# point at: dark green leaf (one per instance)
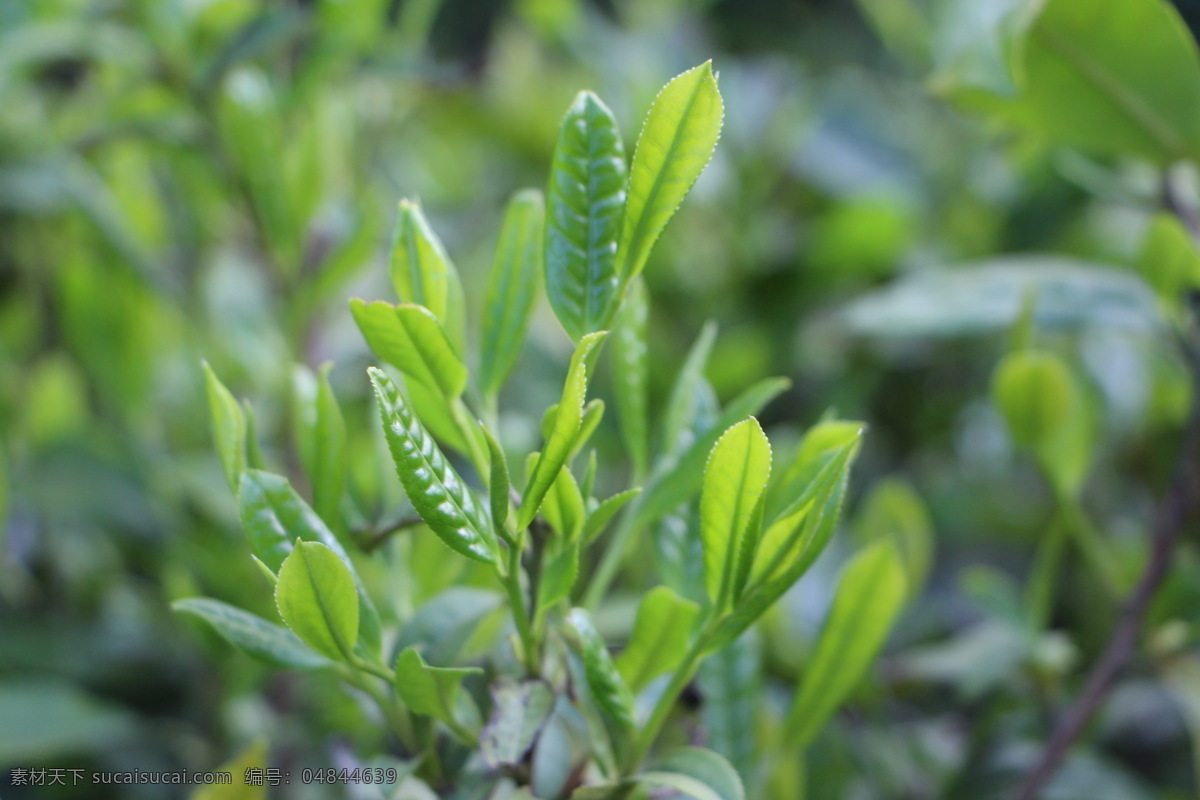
(512, 288)
(607, 687)
(433, 487)
(264, 640)
(443, 625)
(730, 683)
(584, 203)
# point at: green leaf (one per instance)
(563, 506)
(561, 441)
(661, 633)
(735, 480)
(791, 544)
(676, 142)
(584, 203)
(499, 485)
(321, 437)
(443, 625)
(519, 710)
(256, 636)
(512, 288)
(1120, 78)
(894, 510)
(730, 681)
(696, 773)
(422, 272)
(558, 576)
(228, 426)
(410, 338)
(1168, 258)
(608, 689)
(317, 598)
(869, 596)
(437, 415)
(819, 442)
(593, 413)
(436, 491)
(681, 405)
(430, 691)
(631, 373)
(274, 516)
(598, 520)
(675, 486)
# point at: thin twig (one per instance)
(370, 539)
(1170, 518)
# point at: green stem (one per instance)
(396, 715)
(1039, 593)
(1090, 545)
(520, 612)
(666, 701)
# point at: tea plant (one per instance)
(548, 708)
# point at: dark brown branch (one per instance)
(1170, 519)
(370, 539)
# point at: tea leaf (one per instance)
(430, 691)
(735, 481)
(661, 632)
(410, 338)
(444, 624)
(228, 427)
(730, 681)
(869, 596)
(563, 506)
(422, 272)
(684, 477)
(603, 514)
(607, 687)
(498, 482)
(696, 773)
(558, 576)
(567, 421)
(322, 440)
(519, 710)
(1122, 78)
(681, 406)
(256, 636)
(894, 510)
(512, 288)
(316, 597)
(433, 487)
(584, 203)
(631, 373)
(676, 142)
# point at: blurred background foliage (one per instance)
(188, 180)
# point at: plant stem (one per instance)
(666, 701)
(1171, 516)
(393, 712)
(1039, 593)
(520, 611)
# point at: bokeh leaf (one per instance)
(519, 710)
(512, 288)
(256, 636)
(661, 632)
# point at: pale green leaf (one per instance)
(430, 691)
(1168, 258)
(317, 598)
(894, 510)
(869, 596)
(676, 142)
(512, 288)
(228, 427)
(410, 338)
(598, 520)
(256, 636)
(519, 710)
(567, 422)
(661, 633)
(563, 506)
(321, 439)
(584, 202)
(696, 773)
(735, 480)
(681, 405)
